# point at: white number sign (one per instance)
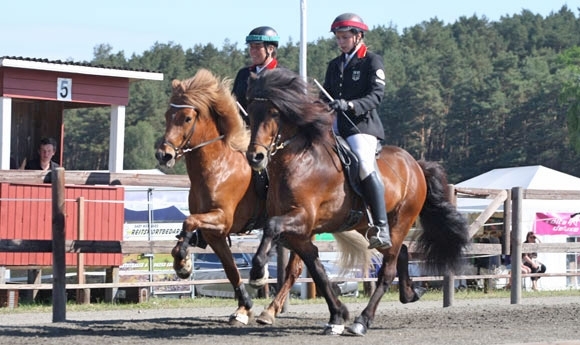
(64, 89)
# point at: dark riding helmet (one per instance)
(348, 22)
(264, 34)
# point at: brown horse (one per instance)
(310, 194)
(204, 126)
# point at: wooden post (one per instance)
(58, 247)
(516, 245)
(448, 289)
(448, 277)
(507, 224)
(83, 295)
(111, 276)
(33, 276)
(282, 262)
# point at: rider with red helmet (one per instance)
(356, 81)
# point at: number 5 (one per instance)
(64, 89)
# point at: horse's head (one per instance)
(282, 112)
(201, 111)
(265, 128)
(180, 123)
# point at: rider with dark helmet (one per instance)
(356, 81)
(262, 44)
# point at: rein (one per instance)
(275, 145)
(183, 149)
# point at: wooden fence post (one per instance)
(58, 247)
(516, 245)
(83, 295)
(449, 278)
(282, 259)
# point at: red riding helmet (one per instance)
(263, 34)
(348, 22)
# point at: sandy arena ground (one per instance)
(546, 320)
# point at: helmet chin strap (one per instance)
(263, 64)
(356, 46)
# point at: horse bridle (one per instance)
(183, 149)
(275, 144)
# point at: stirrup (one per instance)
(380, 242)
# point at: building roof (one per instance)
(78, 67)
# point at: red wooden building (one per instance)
(34, 93)
(26, 213)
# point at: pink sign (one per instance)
(552, 223)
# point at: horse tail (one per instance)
(353, 252)
(445, 234)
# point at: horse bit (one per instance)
(180, 151)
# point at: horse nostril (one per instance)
(255, 158)
(163, 157)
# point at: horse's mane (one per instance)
(296, 100)
(212, 98)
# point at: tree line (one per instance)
(474, 95)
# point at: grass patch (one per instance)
(203, 302)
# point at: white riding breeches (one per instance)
(364, 147)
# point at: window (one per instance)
(573, 265)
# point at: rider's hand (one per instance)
(339, 105)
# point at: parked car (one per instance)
(344, 288)
(207, 266)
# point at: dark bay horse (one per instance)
(203, 126)
(309, 194)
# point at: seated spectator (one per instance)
(530, 260)
(525, 270)
(46, 151)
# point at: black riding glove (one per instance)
(339, 105)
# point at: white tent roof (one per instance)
(528, 177)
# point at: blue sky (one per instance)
(70, 29)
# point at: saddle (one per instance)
(350, 164)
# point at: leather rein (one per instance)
(184, 147)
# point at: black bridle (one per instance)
(276, 143)
(184, 147)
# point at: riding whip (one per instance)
(242, 109)
(332, 99)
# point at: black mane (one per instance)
(296, 102)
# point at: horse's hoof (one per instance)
(419, 291)
(258, 283)
(357, 329)
(333, 329)
(265, 318)
(239, 319)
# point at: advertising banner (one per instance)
(557, 223)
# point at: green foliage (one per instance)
(474, 94)
(140, 147)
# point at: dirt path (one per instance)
(552, 320)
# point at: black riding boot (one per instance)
(374, 191)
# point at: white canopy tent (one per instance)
(531, 177)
